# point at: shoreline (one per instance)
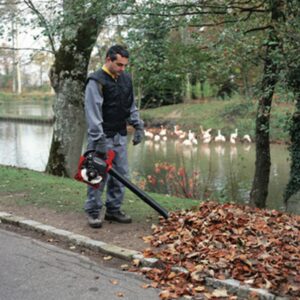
(29, 119)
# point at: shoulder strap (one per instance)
(97, 76)
(100, 85)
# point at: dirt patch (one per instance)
(174, 115)
(124, 235)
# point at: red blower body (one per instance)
(92, 170)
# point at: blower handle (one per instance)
(140, 193)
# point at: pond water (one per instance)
(25, 145)
(224, 170)
(43, 109)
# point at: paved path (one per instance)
(33, 270)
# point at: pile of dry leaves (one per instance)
(260, 248)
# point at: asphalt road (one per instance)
(33, 270)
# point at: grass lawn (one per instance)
(225, 115)
(27, 187)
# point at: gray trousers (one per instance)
(114, 189)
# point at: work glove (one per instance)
(101, 148)
(138, 135)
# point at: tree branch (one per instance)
(222, 9)
(27, 49)
(180, 9)
(210, 24)
(258, 28)
(43, 21)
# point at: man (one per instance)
(109, 107)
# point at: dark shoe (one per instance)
(94, 222)
(117, 216)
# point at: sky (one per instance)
(26, 41)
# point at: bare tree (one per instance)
(78, 24)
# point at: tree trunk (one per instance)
(188, 89)
(18, 62)
(293, 185)
(68, 129)
(14, 64)
(245, 77)
(68, 75)
(202, 82)
(259, 191)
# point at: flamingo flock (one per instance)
(191, 138)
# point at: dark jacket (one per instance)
(117, 101)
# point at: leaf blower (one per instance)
(92, 170)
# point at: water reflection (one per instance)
(228, 169)
(25, 145)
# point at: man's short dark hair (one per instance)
(117, 49)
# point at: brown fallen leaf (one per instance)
(220, 293)
(148, 238)
(108, 257)
(114, 281)
(136, 262)
(208, 295)
(197, 276)
(172, 275)
(165, 295)
(124, 267)
(154, 284)
(268, 284)
(199, 288)
(120, 295)
(258, 247)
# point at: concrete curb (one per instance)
(243, 291)
(68, 236)
(231, 285)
